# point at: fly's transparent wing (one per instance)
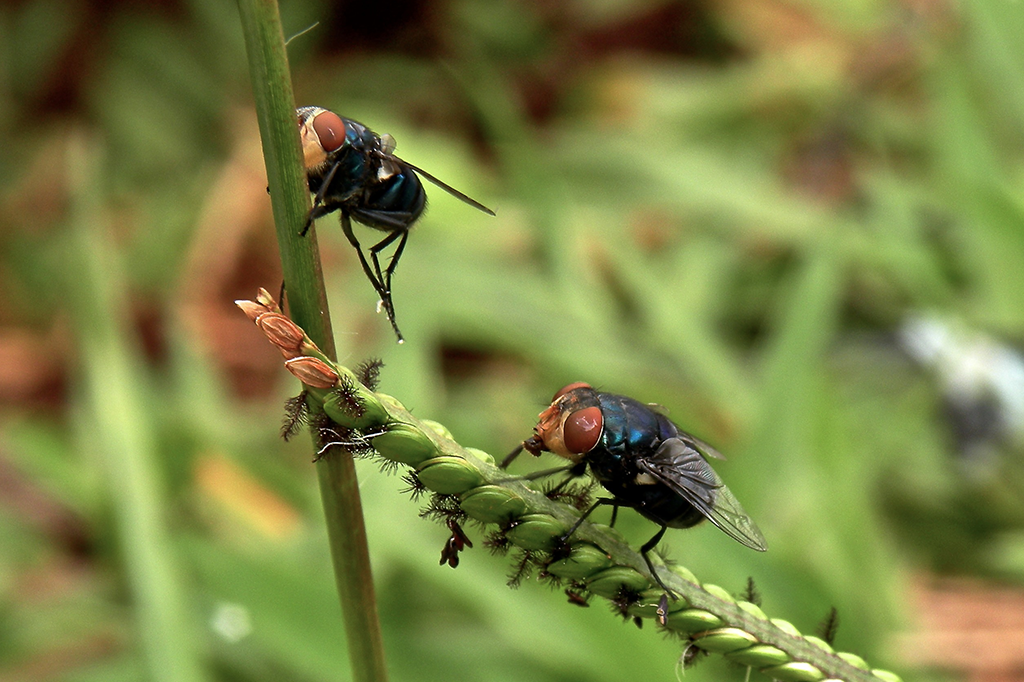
(447, 188)
(700, 446)
(682, 468)
(688, 438)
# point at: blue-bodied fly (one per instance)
(644, 460)
(353, 170)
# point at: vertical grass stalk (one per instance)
(339, 489)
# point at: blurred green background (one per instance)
(732, 208)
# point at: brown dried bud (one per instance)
(282, 332)
(252, 309)
(312, 372)
(263, 297)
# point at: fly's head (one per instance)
(322, 133)
(572, 425)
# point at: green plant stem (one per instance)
(307, 299)
(115, 423)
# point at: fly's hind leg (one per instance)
(384, 277)
(378, 285)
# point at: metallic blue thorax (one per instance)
(630, 427)
(633, 431)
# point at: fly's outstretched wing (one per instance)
(688, 438)
(683, 469)
(700, 446)
(447, 188)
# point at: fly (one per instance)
(353, 170)
(645, 461)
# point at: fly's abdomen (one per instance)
(393, 204)
(668, 509)
(402, 193)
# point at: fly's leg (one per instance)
(644, 552)
(511, 456)
(385, 277)
(318, 210)
(669, 594)
(346, 227)
(574, 471)
(601, 502)
(378, 285)
(562, 547)
(383, 244)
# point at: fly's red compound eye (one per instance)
(582, 429)
(570, 387)
(330, 129)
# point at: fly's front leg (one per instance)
(601, 502)
(319, 210)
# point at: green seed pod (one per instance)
(795, 671)
(536, 531)
(719, 592)
(647, 605)
(610, 581)
(818, 641)
(405, 444)
(853, 659)
(786, 627)
(449, 475)
(492, 504)
(724, 640)
(760, 656)
(693, 620)
(683, 573)
(390, 401)
(481, 455)
(438, 428)
(611, 532)
(886, 675)
(339, 408)
(585, 561)
(753, 609)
